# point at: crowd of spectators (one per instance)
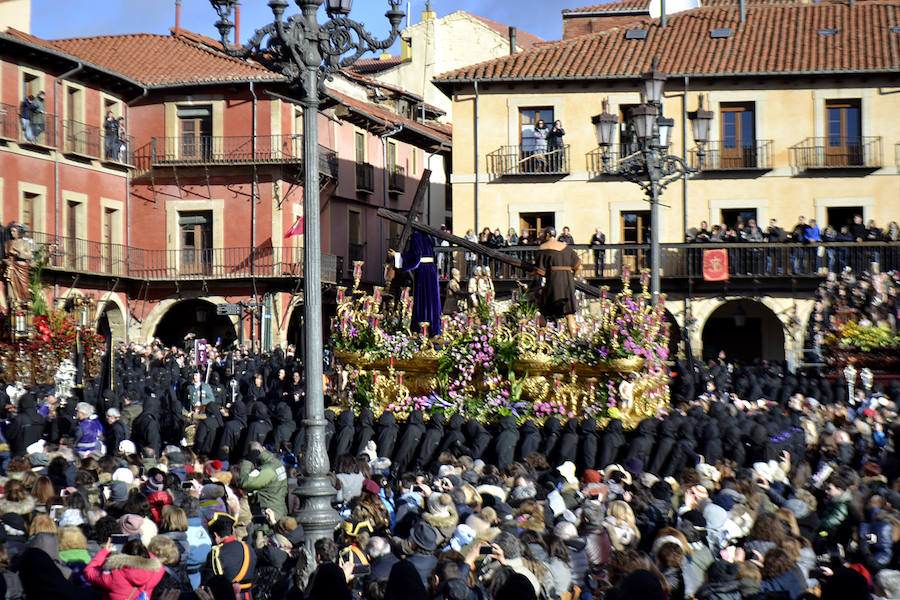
(757, 483)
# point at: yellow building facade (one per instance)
(805, 100)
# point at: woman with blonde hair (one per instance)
(42, 490)
(16, 499)
(621, 527)
(173, 524)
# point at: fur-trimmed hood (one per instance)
(126, 561)
(25, 507)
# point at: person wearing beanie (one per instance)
(441, 514)
(155, 490)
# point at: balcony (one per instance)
(81, 139)
(747, 262)
(597, 166)
(397, 179)
(96, 258)
(36, 132)
(365, 178)
(752, 156)
(516, 160)
(9, 122)
(835, 152)
(230, 150)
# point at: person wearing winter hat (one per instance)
(721, 582)
(462, 537)
(441, 514)
(425, 541)
(155, 490)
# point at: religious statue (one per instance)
(560, 266)
(426, 289)
(454, 295)
(17, 259)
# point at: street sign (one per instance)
(228, 309)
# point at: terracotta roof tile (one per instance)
(642, 6)
(368, 66)
(156, 60)
(775, 38)
(435, 131)
(525, 40)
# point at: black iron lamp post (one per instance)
(651, 166)
(307, 52)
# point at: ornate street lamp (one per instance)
(701, 120)
(652, 167)
(307, 52)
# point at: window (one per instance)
(843, 127)
(396, 173)
(534, 222)
(354, 235)
(110, 218)
(839, 216)
(732, 216)
(528, 118)
(72, 210)
(76, 136)
(195, 131)
(364, 171)
(28, 209)
(635, 230)
(738, 148)
(628, 142)
(298, 120)
(196, 241)
(30, 85)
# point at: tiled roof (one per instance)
(644, 5)
(524, 40)
(435, 132)
(367, 66)
(775, 39)
(156, 60)
(368, 81)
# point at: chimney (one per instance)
(177, 16)
(237, 24)
(512, 40)
(428, 14)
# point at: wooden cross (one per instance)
(414, 210)
(477, 248)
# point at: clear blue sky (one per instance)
(73, 18)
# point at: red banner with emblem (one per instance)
(715, 265)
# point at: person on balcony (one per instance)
(555, 145)
(798, 236)
(540, 134)
(26, 111)
(598, 241)
(111, 136)
(566, 236)
(38, 117)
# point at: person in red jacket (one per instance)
(124, 576)
(155, 490)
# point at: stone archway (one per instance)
(111, 320)
(177, 318)
(747, 330)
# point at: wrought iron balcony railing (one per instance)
(755, 155)
(833, 152)
(517, 160)
(38, 129)
(9, 122)
(80, 138)
(685, 261)
(365, 178)
(396, 179)
(98, 258)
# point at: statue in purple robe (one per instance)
(426, 291)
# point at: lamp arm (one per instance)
(341, 35)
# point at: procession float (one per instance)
(500, 358)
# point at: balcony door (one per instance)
(195, 132)
(534, 222)
(635, 230)
(196, 241)
(738, 135)
(843, 141)
(528, 119)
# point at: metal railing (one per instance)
(80, 138)
(39, 129)
(755, 155)
(397, 179)
(98, 258)
(9, 122)
(833, 152)
(516, 160)
(365, 178)
(597, 166)
(745, 261)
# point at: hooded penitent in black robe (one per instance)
(529, 439)
(26, 428)
(365, 430)
(642, 445)
(453, 436)
(712, 443)
(386, 432)
(667, 433)
(405, 454)
(610, 444)
(568, 442)
(683, 454)
(343, 433)
(284, 426)
(587, 456)
(209, 431)
(733, 446)
(505, 442)
(259, 427)
(234, 426)
(145, 429)
(478, 437)
(431, 441)
(549, 439)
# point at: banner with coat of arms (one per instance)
(715, 265)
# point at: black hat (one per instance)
(425, 536)
(661, 490)
(695, 518)
(722, 570)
